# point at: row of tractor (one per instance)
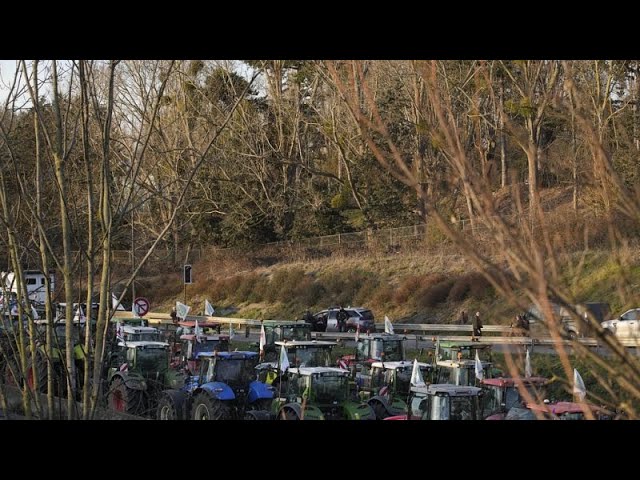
(188, 371)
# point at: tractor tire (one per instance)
(379, 410)
(207, 408)
(122, 398)
(167, 409)
(288, 414)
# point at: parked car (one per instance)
(626, 325)
(570, 327)
(357, 316)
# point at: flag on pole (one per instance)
(208, 308)
(357, 333)
(79, 316)
(479, 373)
(416, 375)
(134, 309)
(231, 334)
(34, 313)
(119, 332)
(579, 390)
(197, 332)
(263, 340)
(437, 352)
(388, 326)
(527, 365)
(182, 310)
(284, 360)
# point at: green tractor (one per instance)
(137, 373)
(385, 386)
(301, 353)
(455, 362)
(443, 402)
(320, 393)
(276, 331)
(374, 347)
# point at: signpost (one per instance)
(141, 306)
(186, 276)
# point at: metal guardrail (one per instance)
(403, 329)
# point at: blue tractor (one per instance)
(225, 389)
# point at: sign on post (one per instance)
(141, 306)
(187, 275)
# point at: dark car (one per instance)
(357, 316)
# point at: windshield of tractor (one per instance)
(328, 388)
(235, 371)
(445, 407)
(209, 346)
(403, 380)
(311, 357)
(152, 359)
(419, 404)
(393, 350)
(60, 337)
(144, 337)
(492, 400)
(289, 332)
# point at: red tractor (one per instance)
(503, 394)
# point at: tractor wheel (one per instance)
(122, 398)
(288, 414)
(167, 409)
(379, 410)
(207, 408)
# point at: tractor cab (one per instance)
(141, 334)
(375, 347)
(443, 402)
(457, 350)
(503, 394)
(191, 346)
(460, 372)
(283, 331)
(385, 386)
(300, 353)
(320, 393)
(236, 369)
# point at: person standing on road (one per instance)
(464, 318)
(342, 317)
(477, 325)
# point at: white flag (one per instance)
(119, 332)
(196, 332)
(263, 339)
(182, 310)
(79, 316)
(357, 333)
(34, 313)
(284, 360)
(479, 373)
(231, 334)
(579, 390)
(388, 327)
(437, 352)
(208, 308)
(416, 375)
(527, 365)
(134, 310)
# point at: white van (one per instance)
(35, 283)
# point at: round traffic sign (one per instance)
(141, 305)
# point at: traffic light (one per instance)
(187, 274)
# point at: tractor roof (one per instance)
(192, 324)
(305, 343)
(463, 363)
(560, 408)
(511, 382)
(448, 389)
(143, 344)
(318, 370)
(381, 336)
(459, 344)
(401, 364)
(134, 329)
(285, 323)
(191, 336)
(228, 355)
